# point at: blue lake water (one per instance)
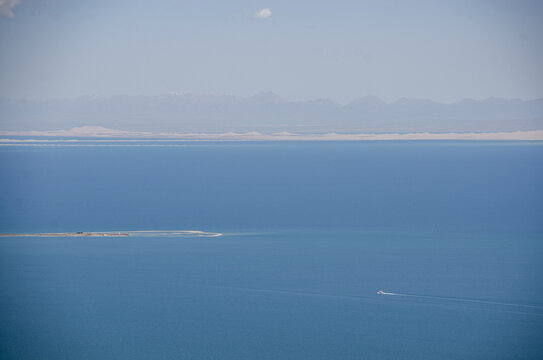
(312, 230)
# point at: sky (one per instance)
(302, 50)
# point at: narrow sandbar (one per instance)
(69, 234)
(150, 233)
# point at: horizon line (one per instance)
(278, 98)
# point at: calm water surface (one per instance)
(311, 232)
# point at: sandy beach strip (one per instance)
(139, 233)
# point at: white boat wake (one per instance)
(380, 292)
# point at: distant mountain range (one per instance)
(269, 113)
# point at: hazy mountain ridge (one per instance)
(267, 112)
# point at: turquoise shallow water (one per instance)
(312, 232)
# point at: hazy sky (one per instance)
(442, 50)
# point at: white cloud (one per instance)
(6, 6)
(262, 14)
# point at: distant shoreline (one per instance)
(97, 134)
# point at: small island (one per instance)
(139, 233)
(70, 234)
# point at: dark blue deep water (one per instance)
(312, 230)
